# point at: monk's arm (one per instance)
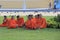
(44, 23)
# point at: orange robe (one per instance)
(20, 22)
(5, 23)
(12, 23)
(41, 23)
(31, 24)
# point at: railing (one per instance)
(29, 10)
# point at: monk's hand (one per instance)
(16, 24)
(4, 20)
(40, 27)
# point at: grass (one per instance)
(23, 34)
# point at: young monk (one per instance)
(5, 22)
(31, 22)
(12, 23)
(20, 21)
(41, 22)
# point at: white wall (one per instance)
(27, 13)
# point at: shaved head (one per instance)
(5, 17)
(30, 16)
(39, 15)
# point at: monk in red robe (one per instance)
(31, 22)
(41, 22)
(5, 22)
(12, 23)
(20, 21)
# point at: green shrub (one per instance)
(57, 19)
(54, 22)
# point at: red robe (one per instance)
(31, 24)
(12, 23)
(20, 22)
(41, 23)
(5, 23)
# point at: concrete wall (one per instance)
(39, 3)
(29, 3)
(11, 4)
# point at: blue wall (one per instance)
(58, 4)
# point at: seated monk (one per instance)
(31, 22)
(5, 22)
(41, 22)
(20, 21)
(12, 23)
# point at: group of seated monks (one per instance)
(37, 22)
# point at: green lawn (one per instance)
(23, 34)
